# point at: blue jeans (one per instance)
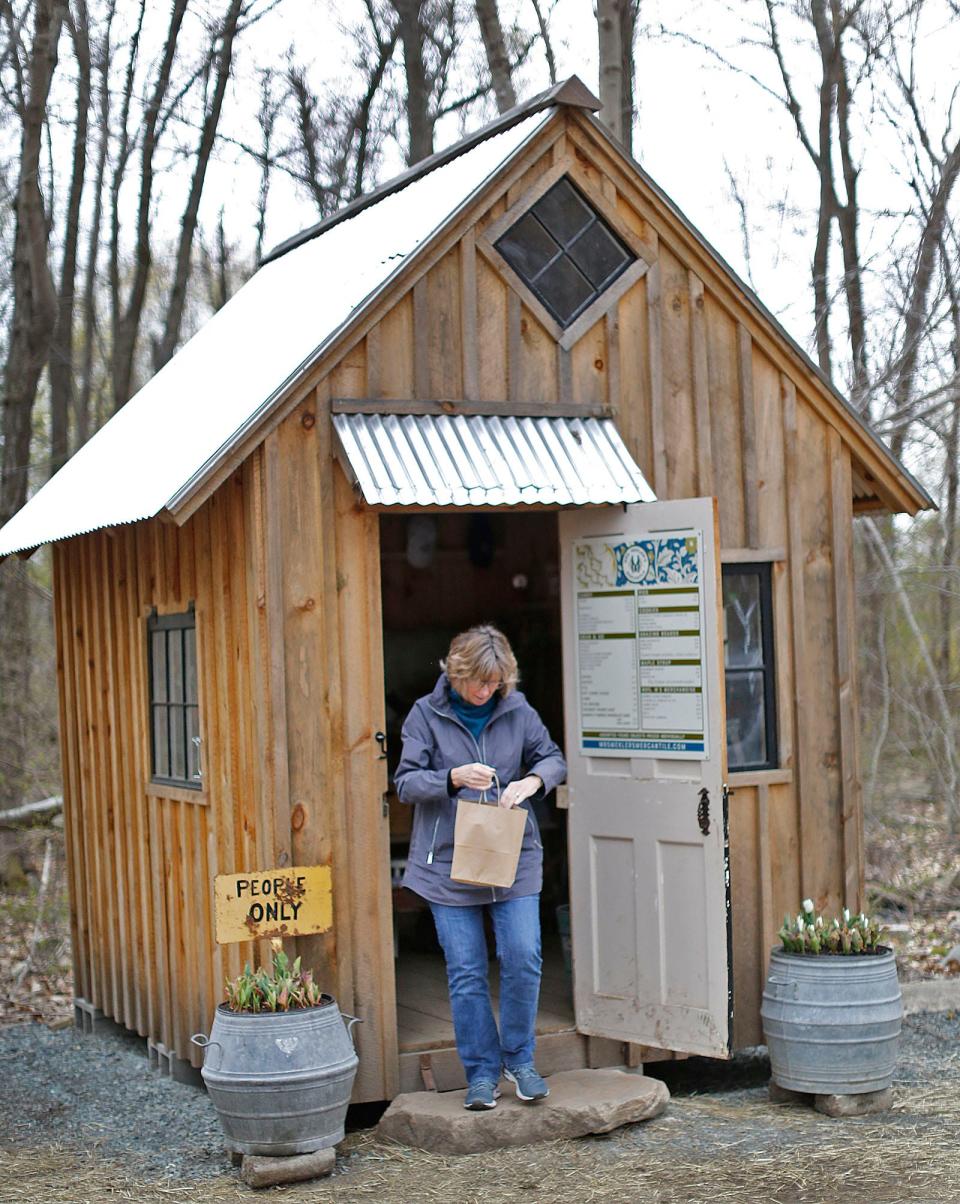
(516, 924)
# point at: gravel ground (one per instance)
(83, 1118)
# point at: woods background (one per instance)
(150, 154)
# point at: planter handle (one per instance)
(202, 1041)
(777, 983)
(351, 1021)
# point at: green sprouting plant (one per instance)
(845, 934)
(286, 988)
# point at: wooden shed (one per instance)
(430, 410)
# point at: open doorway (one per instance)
(442, 572)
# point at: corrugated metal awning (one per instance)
(488, 460)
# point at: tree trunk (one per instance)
(950, 584)
(34, 297)
(14, 680)
(916, 314)
(164, 347)
(61, 355)
(848, 216)
(547, 40)
(949, 579)
(616, 23)
(32, 326)
(941, 722)
(498, 61)
(419, 119)
(126, 317)
(611, 65)
(85, 421)
(361, 121)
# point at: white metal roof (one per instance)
(241, 360)
(488, 460)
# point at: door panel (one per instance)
(648, 888)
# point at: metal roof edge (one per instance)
(26, 550)
(572, 92)
(829, 387)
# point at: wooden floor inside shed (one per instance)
(423, 1003)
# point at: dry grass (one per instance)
(726, 1148)
(703, 1149)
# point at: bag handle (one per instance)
(483, 797)
(483, 793)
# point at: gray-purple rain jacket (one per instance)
(514, 742)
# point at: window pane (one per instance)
(563, 212)
(175, 655)
(743, 645)
(564, 289)
(190, 669)
(564, 251)
(746, 719)
(598, 255)
(161, 759)
(527, 247)
(178, 748)
(193, 729)
(158, 665)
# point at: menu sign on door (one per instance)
(639, 619)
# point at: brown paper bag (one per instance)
(486, 843)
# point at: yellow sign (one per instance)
(294, 901)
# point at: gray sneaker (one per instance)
(530, 1086)
(481, 1095)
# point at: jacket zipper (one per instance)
(436, 825)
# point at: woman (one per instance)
(476, 725)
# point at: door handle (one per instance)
(703, 811)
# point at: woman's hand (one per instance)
(473, 776)
(516, 792)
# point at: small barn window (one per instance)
(748, 663)
(564, 252)
(174, 710)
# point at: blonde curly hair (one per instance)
(481, 654)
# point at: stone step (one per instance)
(580, 1102)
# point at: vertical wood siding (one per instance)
(282, 563)
(704, 409)
(141, 862)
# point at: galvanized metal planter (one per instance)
(280, 1081)
(832, 1022)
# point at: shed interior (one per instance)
(442, 572)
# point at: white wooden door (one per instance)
(649, 867)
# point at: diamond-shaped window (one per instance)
(564, 251)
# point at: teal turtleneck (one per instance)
(474, 718)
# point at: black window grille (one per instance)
(564, 251)
(749, 668)
(174, 709)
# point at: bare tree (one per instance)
(61, 353)
(414, 37)
(498, 60)
(270, 107)
(834, 24)
(616, 24)
(543, 26)
(33, 322)
(221, 55)
(85, 422)
(127, 312)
